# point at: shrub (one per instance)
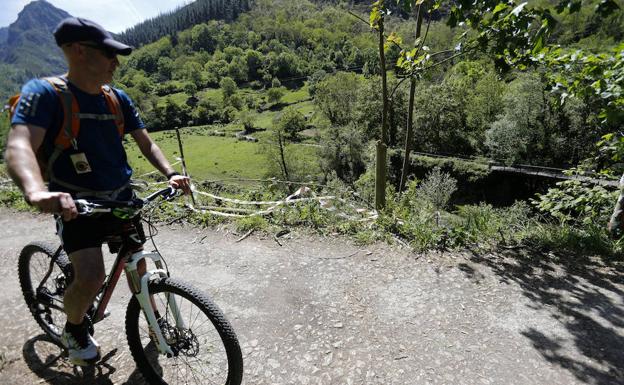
(437, 188)
(577, 203)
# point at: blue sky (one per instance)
(114, 15)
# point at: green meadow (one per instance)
(214, 157)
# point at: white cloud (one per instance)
(114, 15)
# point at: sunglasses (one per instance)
(107, 52)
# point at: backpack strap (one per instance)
(12, 105)
(115, 108)
(71, 121)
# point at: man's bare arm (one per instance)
(22, 144)
(154, 155)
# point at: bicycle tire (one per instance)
(162, 370)
(31, 273)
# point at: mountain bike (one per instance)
(192, 342)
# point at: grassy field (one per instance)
(296, 95)
(214, 158)
(178, 98)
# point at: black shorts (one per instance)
(88, 232)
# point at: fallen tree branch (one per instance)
(245, 236)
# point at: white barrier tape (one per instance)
(217, 208)
(261, 203)
(218, 213)
(265, 212)
(237, 201)
(325, 203)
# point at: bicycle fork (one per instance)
(139, 287)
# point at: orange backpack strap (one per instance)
(12, 105)
(71, 121)
(115, 108)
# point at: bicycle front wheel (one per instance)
(206, 350)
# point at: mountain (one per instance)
(29, 44)
(4, 33)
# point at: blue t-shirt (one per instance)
(98, 140)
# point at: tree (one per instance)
(275, 94)
(254, 64)
(282, 161)
(342, 150)
(506, 141)
(207, 111)
(238, 70)
(165, 68)
(291, 122)
(439, 116)
(336, 97)
(203, 37)
(313, 81)
(247, 119)
(228, 87)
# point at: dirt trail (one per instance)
(325, 311)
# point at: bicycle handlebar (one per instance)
(90, 207)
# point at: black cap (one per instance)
(75, 29)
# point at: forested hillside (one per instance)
(180, 19)
(465, 107)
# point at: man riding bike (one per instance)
(76, 124)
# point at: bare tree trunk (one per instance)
(280, 142)
(380, 170)
(409, 137)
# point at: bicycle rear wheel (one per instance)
(206, 350)
(44, 292)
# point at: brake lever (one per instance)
(174, 193)
(87, 208)
(83, 207)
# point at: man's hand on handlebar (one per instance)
(181, 182)
(54, 202)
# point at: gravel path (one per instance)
(325, 311)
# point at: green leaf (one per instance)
(499, 8)
(394, 38)
(538, 46)
(375, 17)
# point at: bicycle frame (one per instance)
(128, 260)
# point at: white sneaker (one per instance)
(83, 350)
